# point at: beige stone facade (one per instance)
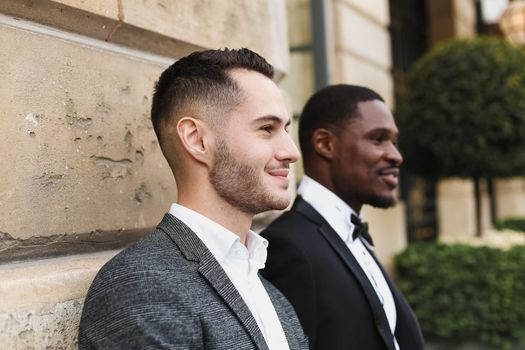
(363, 59)
(82, 174)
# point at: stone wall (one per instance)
(361, 42)
(82, 174)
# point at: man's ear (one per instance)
(195, 137)
(324, 143)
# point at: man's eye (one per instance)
(267, 128)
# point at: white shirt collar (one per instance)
(222, 243)
(332, 208)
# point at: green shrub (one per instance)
(515, 224)
(460, 292)
(461, 110)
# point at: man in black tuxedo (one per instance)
(320, 254)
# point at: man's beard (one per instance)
(238, 184)
(373, 200)
(381, 202)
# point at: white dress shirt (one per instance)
(337, 213)
(241, 264)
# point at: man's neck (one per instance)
(222, 213)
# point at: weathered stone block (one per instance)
(349, 26)
(169, 28)
(354, 70)
(79, 155)
(259, 25)
(376, 10)
(299, 23)
(95, 18)
(300, 82)
(42, 300)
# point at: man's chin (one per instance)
(273, 203)
(279, 202)
(382, 202)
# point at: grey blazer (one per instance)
(167, 291)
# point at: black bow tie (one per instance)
(361, 229)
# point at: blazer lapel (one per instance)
(349, 260)
(194, 249)
(280, 309)
(213, 272)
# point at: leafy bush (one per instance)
(460, 292)
(461, 110)
(515, 224)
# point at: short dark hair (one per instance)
(200, 81)
(330, 108)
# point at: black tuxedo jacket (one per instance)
(336, 304)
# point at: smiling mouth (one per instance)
(390, 176)
(279, 174)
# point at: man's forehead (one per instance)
(261, 100)
(372, 115)
(241, 74)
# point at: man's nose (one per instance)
(394, 155)
(288, 151)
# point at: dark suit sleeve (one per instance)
(137, 310)
(288, 268)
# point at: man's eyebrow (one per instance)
(272, 118)
(383, 130)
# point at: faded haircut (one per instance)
(198, 85)
(330, 108)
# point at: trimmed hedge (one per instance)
(460, 292)
(514, 224)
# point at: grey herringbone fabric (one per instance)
(167, 291)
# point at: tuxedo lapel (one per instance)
(340, 248)
(408, 332)
(194, 249)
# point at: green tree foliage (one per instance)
(461, 110)
(460, 292)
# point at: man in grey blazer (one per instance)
(193, 283)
